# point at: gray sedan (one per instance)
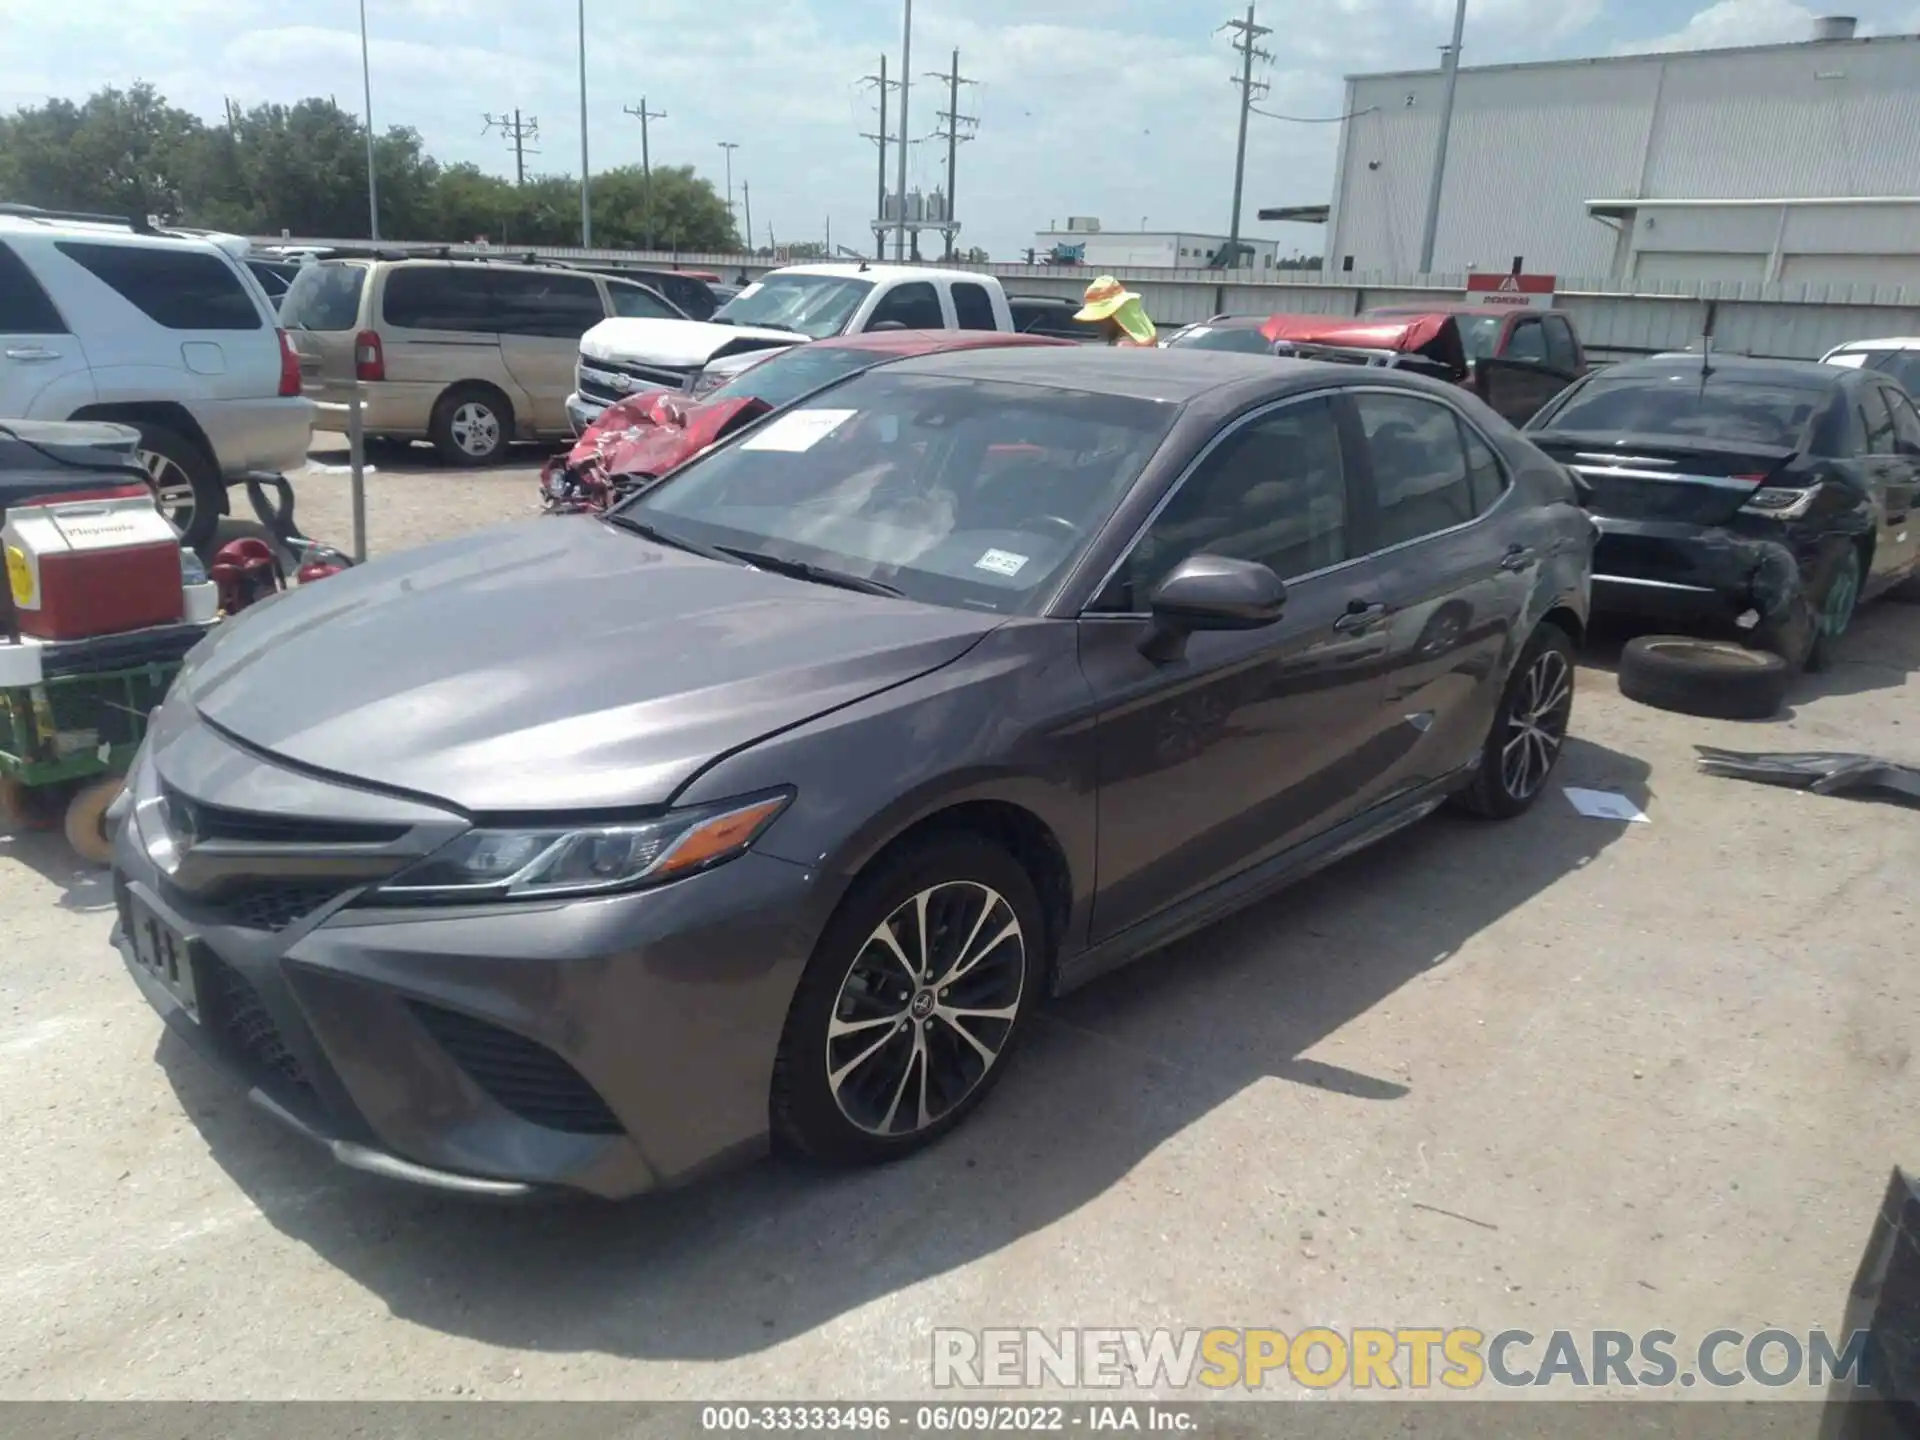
(591, 853)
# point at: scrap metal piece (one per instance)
(1821, 772)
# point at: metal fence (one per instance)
(1790, 321)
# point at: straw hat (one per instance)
(1107, 299)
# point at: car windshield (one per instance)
(1902, 365)
(814, 305)
(324, 297)
(1241, 338)
(953, 491)
(785, 377)
(634, 302)
(1752, 411)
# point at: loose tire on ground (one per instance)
(1713, 678)
(472, 425)
(806, 1104)
(173, 455)
(1532, 720)
(86, 819)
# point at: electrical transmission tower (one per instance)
(518, 132)
(1247, 43)
(882, 86)
(643, 115)
(951, 123)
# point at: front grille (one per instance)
(603, 379)
(254, 904)
(521, 1076)
(235, 1008)
(216, 822)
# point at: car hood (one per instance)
(678, 344)
(555, 664)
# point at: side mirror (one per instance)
(885, 325)
(1210, 592)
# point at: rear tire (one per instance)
(472, 425)
(840, 1097)
(1834, 614)
(1712, 678)
(186, 482)
(1529, 730)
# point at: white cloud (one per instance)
(1730, 23)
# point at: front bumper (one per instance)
(1675, 569)
(609, 1046)
(582, 411)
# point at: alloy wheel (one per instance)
(926, 1008)
(1536, 724)
(475, 429)
(172, 488)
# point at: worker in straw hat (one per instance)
(1118, 313)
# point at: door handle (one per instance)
(32, 352)
(1518, 557)
(1359, 616)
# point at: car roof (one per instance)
(1455, 308)
(1746, 367)
(930, 342)
(117, 234)
(1176, 376)
(1867, 347)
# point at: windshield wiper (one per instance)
(661, 537)
(818, 574)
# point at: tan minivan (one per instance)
(470, 354)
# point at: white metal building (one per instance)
(1775, 162)
(1160, 249)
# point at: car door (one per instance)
(542, 315)
(1249, 741)
(1892, 468)
(1520, 378)
(43, 367)
(1454, 560)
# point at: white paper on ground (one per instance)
(319, 469)
(1605, 805)
(797, 430)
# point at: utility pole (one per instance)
(1246, 36)
(880, 199)
(519, 132)
(952, 120)
(730, 146)
(1432, 230)
(906, 85)
(746, 201)
(586, 184)
(646, 164)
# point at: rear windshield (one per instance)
(324, 297)
(1751, 412)
(1238, 338)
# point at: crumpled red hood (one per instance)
(641, 438)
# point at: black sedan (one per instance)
(1772, 493)
(588, 852)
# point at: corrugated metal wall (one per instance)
(1532, 143)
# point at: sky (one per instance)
(1119, 109)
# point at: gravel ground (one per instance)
(1558, 1073)
(411, 498)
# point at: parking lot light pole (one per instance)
(586, 185)
(1432, 230)
(366, 84)
(730, 146)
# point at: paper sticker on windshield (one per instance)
(1000, 562)
(797, 430)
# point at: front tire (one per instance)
(913, 999)
(1529, 730)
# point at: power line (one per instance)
(952, 120)
(518, 132)
(1246, 37)
(643, 115)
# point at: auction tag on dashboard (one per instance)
(1000, 562)
(797, 430)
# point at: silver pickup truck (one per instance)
(620, 358)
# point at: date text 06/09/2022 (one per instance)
(921, 1419)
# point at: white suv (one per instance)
(103, 320)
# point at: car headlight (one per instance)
(545, 862)
(1780, 503)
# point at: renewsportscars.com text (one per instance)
(1391, 1359)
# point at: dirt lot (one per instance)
(1559, 1073)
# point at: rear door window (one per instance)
(25, 308)
(440, 297)
(1528, 343)
(324, 297)
(177, 289)
(1420, 481)
(554, 306)
(914, 305)
(973, 307)
(1486, 476)
(1562, 354)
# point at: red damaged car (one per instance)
(640, 439)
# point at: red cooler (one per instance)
(101, 564)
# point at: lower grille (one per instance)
(269, 905)
(521, 1076)
(241, 1017)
